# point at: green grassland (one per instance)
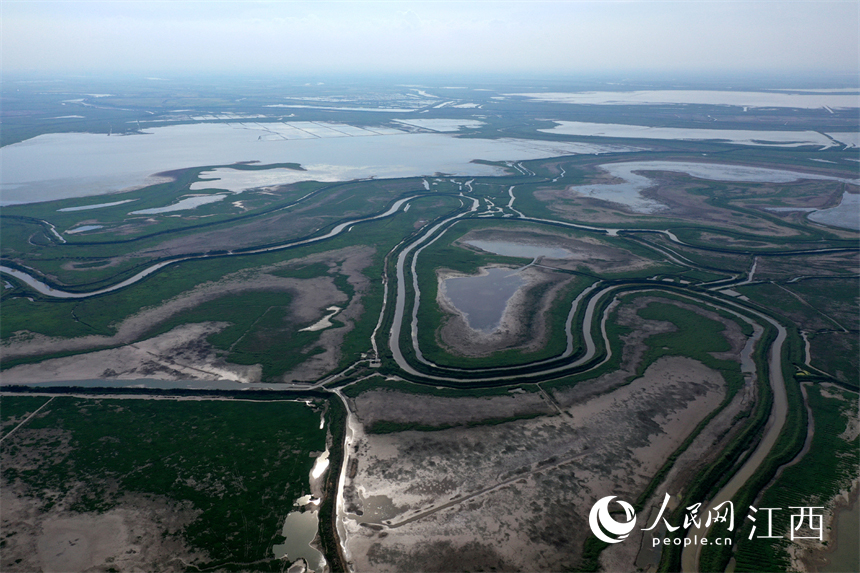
(827, 309)
(696, 337)
(15, 409)
(241, 464)
(828, 467)
(445, 254)
(837, 354)
(130, 242)
(102, 314)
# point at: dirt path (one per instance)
(537, 467)
(27, 419)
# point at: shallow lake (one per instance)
(483, 298)
(845, 557)
(189, 203)
(788, 98)
(299, 530)
(628, 192)
(737, 136)
(64, 165)
(845, 215)
(525, 250)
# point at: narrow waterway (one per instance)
(690, 555)
(47, 290)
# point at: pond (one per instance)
(300, 528)
(483, 298)
(845, 215)
(524, 250)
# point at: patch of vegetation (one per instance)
(241, 464)
(15, 409)
(696, 337)
(838, 354)
(828, 467)
(381, 383)
(390, 427)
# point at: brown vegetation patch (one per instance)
(587, 251)
(181, 354)
(390, 406)
(523, 488)
(172, 355)
(140, 534)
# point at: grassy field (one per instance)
(16, 409)
(277, 341)
(827, 468)
(240, 464)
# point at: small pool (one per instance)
(483, 298)
(524, 250)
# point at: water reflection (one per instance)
(300, 528)
(528, 251)
(483, 298)
(845, 215)
(845, 557)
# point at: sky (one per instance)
(558, 37)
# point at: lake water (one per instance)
(483, 298)
(96, 206)
(846, 556)
(845, 215)
(443, 125)
(737, 136)
(629, 191)
(300, 528)
(775, 98)
(64, 165)
(189, 203)
(83, 229)
(524, 250)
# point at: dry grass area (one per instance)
(135, 536)
(183, 353)
(817, 264)
(385, 405)
(141, 533)
(350, 262)
(516, 496)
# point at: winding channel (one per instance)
(47, 290)
(776, 421)
(595, 295)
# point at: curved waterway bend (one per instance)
(590, 347)
(47, 290)
(691, 554)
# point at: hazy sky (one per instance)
(434, 37)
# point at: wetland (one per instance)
(425, 342)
